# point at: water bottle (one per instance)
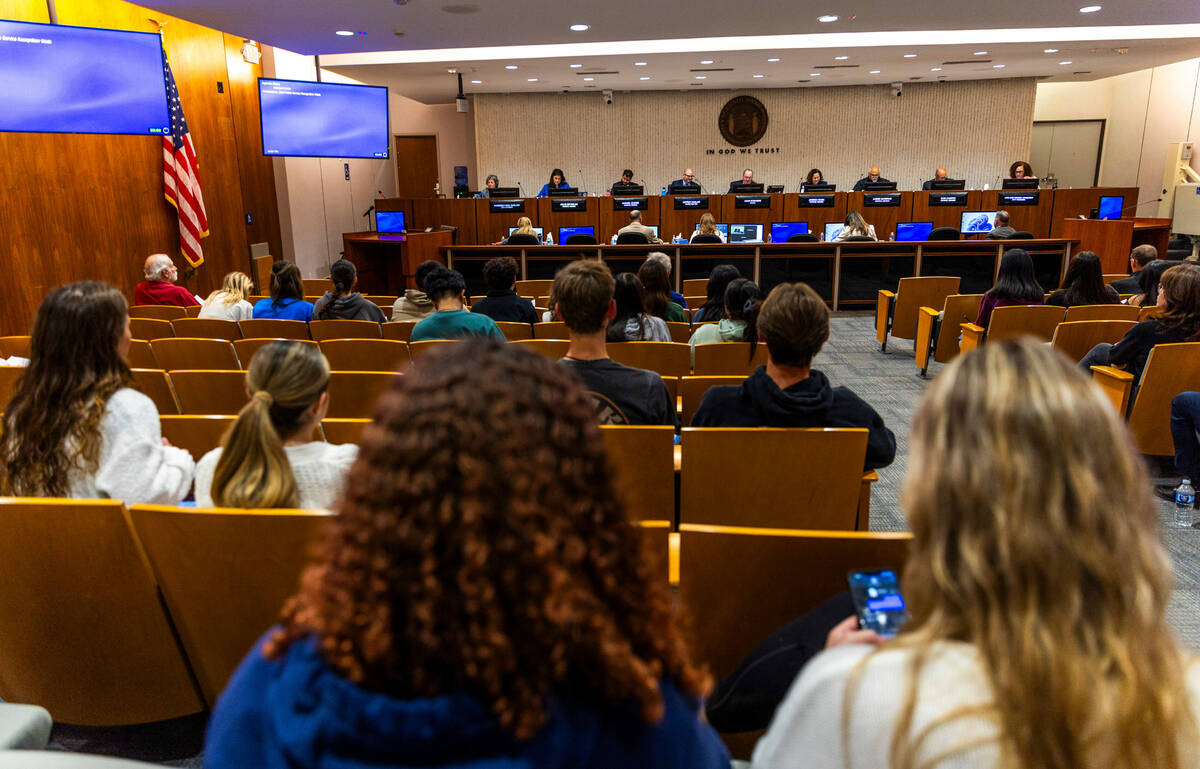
(892, 236)
(664, 191)
(613, 241)
(549, 238)
(1185, 497)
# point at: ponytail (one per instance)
(743, 299)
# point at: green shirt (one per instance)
(675, 314)
(452, 324)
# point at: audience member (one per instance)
(788, 392)
(286, 301)
(1015, 285)
(524, 228)
(631, 323)
(1185, 433)
(1084, 284)
(159, 286)
(1036, 587)
(557, 179)
(76, 427)
(480, 599)
(1002, 230)
(550, 316)
(742, 298)
(665, 261)
(268, 459)
(502, 302)
(1139, 257)
(229, 301)
(1148, 279)
(622, 395)
(635, 225)
(707, 226)
(343, 302)
(414, 305)
(714, 307)
(855, 227)
(448, 292)
(872, 177)
(656, 280)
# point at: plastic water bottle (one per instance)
(613, 241)
(1185, 497)
(549, 238)
(664, 191)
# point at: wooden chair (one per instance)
(694, 287)
(665, 358)
(551, 348)
(10, 377)
(352, 394)
(365, 354)
(343, 430)
(316, 287)
(1075, 338)
(85, 635)
(739, 585)
(207, 328)
(642, 459)
(534, 287)
(382, 301)
(515, 330)
(729, 358)
(150, 328)
(156, 385)
(1113, 277)
(209, 392)
(1100, 312)
(417, 349)
(344, 329)
(1037, 320)
(656, 546)
(680, 332)
(193, 312)
(1170, 370)
(225, 575)
(896, 314)
(14, 345)
(245, 348)
(261, 273)
(198, 433)
(400, 330)
(157, 311)
(141, 355)
(274, 328)
(692, 389)
(695, 302)
(796, 478)
(937, 333)
(1145, 313)
(195, 354)
(555, 329)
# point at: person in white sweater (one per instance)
(1036, 588)
(229, 303)
(75, 426)
(267, 459)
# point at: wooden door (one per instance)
(416, 166)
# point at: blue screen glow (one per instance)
(327, 120)
(913, 230)
(1110, 206)
(566, 232)
(389, 221)
(781, 231)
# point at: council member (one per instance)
(557, 179)
(747, 178)
(1021, 170)
(491, 183)
(814, 177)
(938, 176)
(626, 179)
(689, 177)
(872, 177)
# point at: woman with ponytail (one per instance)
(268, 459)
(742, 298)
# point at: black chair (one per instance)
(1021, 235)
(523, 239)
(859, 239)
(706, 239)
(803, 237)
(580, 239)
(944, 233)
(628, 238)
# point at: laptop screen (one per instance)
(913, 230)
(566, 232)
(781, 231)
(745, 233)
(832, 229)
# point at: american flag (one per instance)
(181, 177)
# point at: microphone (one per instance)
(579, 186)
(1139, 205)
(368, 211)
(519, 192)
(643, 181)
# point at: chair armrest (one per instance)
(972, 336)
(1116, 385)
(926, 340)
(885, 303)
(862, 520)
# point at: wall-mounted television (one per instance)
(323, 120)
(60, 79)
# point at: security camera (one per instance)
(607, 96)
(897, 90)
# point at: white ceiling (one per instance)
(673, 38)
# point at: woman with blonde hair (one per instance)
(267, 458)
(229, 301)
(707, 226)
(1036, 588)
(855, 227)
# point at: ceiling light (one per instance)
(840, 58)
(531, 79)
(639, 64)
(814, 74)
(477, 82)
(701, 77)
(827, 18)
(910, 56)
(759, 75)
(1050, 50)
(589, 78)
(875, 71)
(935, 69)
(344, 33)
(1066, 62)
(580, 27)
(1089, 9)
(510, 66)
(644, 77)
(706, 61)
(451, 71)
(774, 59)
(981, 53)
(576, 66)
(997, 66)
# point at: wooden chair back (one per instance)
(793, 478)
(382, 301)
(694, 287)
(343, 430)
(400, 330)
(365, 354)
(1170, 370)
(246, 348)
(514, 330)
(141, 355)
(274, 328)
(656, 546)
(193, 311)
(551, 348)
(1037, 320)
(695, 302)
(692, 389)
(156, 385)
(680, 332)
(1113, 277)
(207, 328)
(150, 328)
(262, 272)
(729, 359)
(344, 329)
(85, 635)
(914, 293)
(177, 353)
(534, 287)
(642, 459)
(14, 345)
(10, 377)
(352, 394)
(1145, 313)
(209, 392)
(664, 358)
(316, 287)
(417, 349)
(1100, 312)
(198, 433)
(1075, 338)
(225, 575)
(157, 311)
(555, 329)
(957, 309)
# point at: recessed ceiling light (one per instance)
(1066, 62)
(580, 27)
(531, 79)
(997, 66)
(639, 64)
(840, 58)
(935, 69)
(477, 82)
(1089, 9)
(644, 77)
(1050, 50)
(875, 71)
(759, 75)
(576, 66)
(827, 18)
(910, 56)
(981, 53)
(510, 66)
(706, 61)
(702, 77)
(344, 33)
(452, 71)
(589, 78)
(814, 74)
(773, 59)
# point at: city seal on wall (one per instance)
(743, 121)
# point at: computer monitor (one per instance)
(832, 229)
(653, 228)
(910, 231)
(723, 229)
(628, 189)
(564, 192)
(744, 187)
(389, 221)
(948, 184)
(684, 189)
(774, 189)
(781, 231)
(745, 233)
(1111, 207)
(505, 192)
(566, 232)
(822, 187)
(539, 231)
(1027, 183)
(880, 187)
(977, 221)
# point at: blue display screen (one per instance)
(1110, 206)
(566, 232)
(58, 79)
(781, 231)
(389, 221)
(327, 120)
(913, 230)
(878, 601)
(832, 229)
(977, 221)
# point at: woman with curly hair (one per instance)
(76, 426)
(481, 598)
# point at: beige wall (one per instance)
(974, 128)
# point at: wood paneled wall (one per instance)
(77, 207)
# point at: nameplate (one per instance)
(1019, 198)
(947, 198)
(631, 204)
(683, 203)
(816, 201)
(881, 198)
(751, 201)
(506, 206)
(568, 204)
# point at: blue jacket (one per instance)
(544, 192)
(298, 713)
(287, 309)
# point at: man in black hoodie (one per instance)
(787, 392)
(344, 303)
(502, 302)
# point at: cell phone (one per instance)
(878, 601)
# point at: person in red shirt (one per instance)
(159, 286)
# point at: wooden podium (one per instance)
(1113, 239)
(386, 264)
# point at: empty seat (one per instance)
(803, 237)
(937, 332)
(417, 349)
(343, 430)
(344, 329)
(156, 385)
(193, 312)
(274, 328)
(665, 358)
(944, 233)
(245, 348)
(680, 332)
(551, 348)
(157, 311)
(692, 389)
(207, 328)
(400, 330)
(642, 459)
(195, 354)
(729, 358)
(896, 314)
(209, 392)
(694, 286)
(197, 433)
(515, 329)
(365, 354)
(552, 330)
(353, 394)
(580, 239)
(150, 328)
(1075, 338)
(141, 355)
(1037, 320)
(1101, 312)
(316, 286)
(1170, 370)
(533, 287)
